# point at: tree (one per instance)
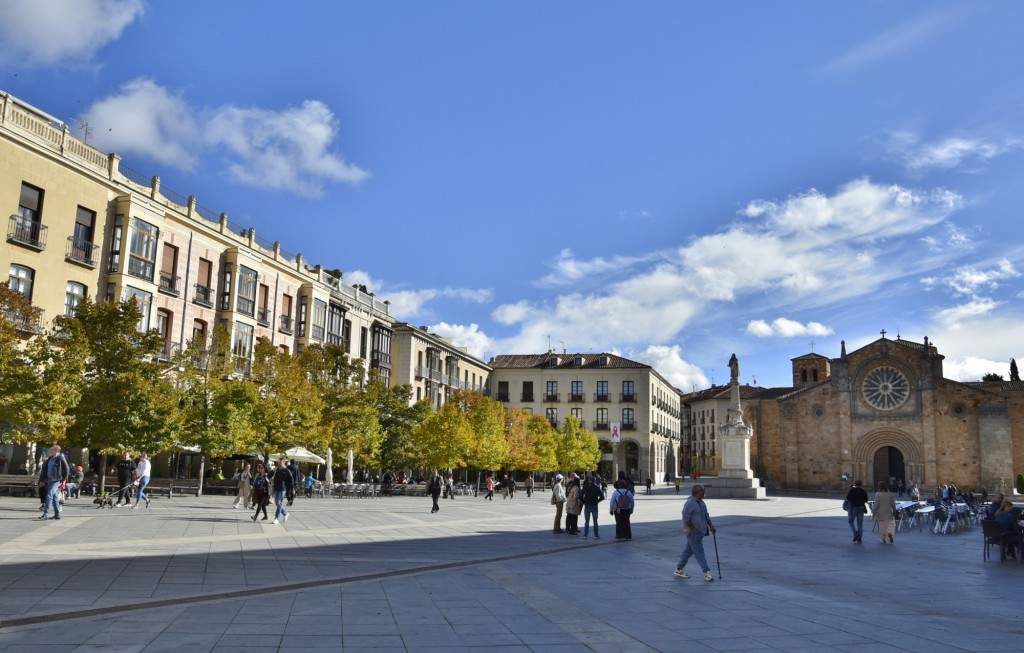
(16, 369)
(127, 401)
(547, 445)
(487, 418)
(289, 411)
(348, 415)
(1014, 374)
(444, 439)
(397, 421)
(217, 410)
(992, 377)
(522, 442)
(577, 447)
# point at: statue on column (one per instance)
(734, 368)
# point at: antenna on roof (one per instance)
(562, 342)
(549, 342)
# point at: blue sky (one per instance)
(669, 181)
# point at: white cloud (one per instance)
(52, 32)
(145, 118)
(948, 153)
(952, 317)
(972, 369)
(568, 269)
(362, 278)
(291, 149)
(511, 313)
(968, 280)
(669, 362)
(786, 328)
(475, 341)
(408, 304)
(285, 150)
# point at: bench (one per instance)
(20, 485)
(222, 486)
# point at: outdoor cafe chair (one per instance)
(993, 536)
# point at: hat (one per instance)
(558, 477)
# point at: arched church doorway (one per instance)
(888, 464)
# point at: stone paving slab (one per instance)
(385, 575)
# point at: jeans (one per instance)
(588, 512)
(856, 514)
(141, 496)
(695, 547)
(52, 498)
(279, 500)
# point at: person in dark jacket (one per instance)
(125, 479)
(52, 476)
(856, 502)
(293, 469)
(434, 490)
(284, 484)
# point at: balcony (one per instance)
(502, 396)
(577, 398)
(81, 251)
(169, 351)
(140, 267)
(378, 358)
(169, 284)
(285, 325)
(553, 423)
(601, 426)
(318, 332)
(247, 306)
(203, 296)
(27, 323)
(627, 397)
(26, 232)
(601, 396)
(629, 426)
(242, 365)
(526, 396)
(263, 317)
(551, 397)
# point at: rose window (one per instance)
(885, 388)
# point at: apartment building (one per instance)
(634, 411)
(84, 225)
(434, 366)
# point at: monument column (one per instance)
(736, 478)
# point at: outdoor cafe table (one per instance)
(907, 514)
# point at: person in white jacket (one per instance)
(558, 500)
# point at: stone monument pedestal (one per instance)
(735, 479)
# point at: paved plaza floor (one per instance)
(354, 575)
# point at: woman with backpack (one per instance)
(260, 491)
(622, 508)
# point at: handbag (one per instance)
(846, 505)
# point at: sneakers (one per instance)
(708, 577)
(681, 573)
(147, 503)
(286, 518)
(254, 517)
(274, 522)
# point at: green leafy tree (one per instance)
(397, 421)
(522, 442)
(58, 361)
(577, 447)
(444, 439)
(17, 372)
(992, 377)
(349, 415)
(487, 418)
(1014, 372)
(547, 443)
(290, 409)
(128, 402)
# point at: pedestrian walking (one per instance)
(529, 486)
(649, 484)
(591, 496)
(142, 471)
(490, 487)
(622, 504)
(449, 487)
(679, 483)
(696, 525)
(283, 483)
(434, 490)
(244, 486)
(558, 501)
(293, 469)
(885, 513)
(53, 475)
(573, 505)
(125, 479)
(511, 486)
(856, 507)
(260, 491)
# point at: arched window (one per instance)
(20, 280)
(73, 296)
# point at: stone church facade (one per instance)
(883, 411)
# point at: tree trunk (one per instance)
(202, 474)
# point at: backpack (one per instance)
(622, 502)
(260, 486)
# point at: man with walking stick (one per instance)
(696, 525)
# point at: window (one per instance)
(602, 419)
(362, 342)
(114, 265)
(346, 333)
(30, 204)
(164, 324)
(263, 298)
(286, 315)
(602, 391)
(336, 326)
(319, 317)
(20, 280)
(502, 391)
(168, 267)
(73, 296)
(199, 331)
(143, 300)
(225, 287)
(552, 417)
(577, 391)
(303, 314)
(143, 239)
(80, 246)
(381, 349)
(246, 302)
(577, 413)
(241, 349)
(26, 226)
(627, 391)
(527, 390)
(627, 418)
(551, 393)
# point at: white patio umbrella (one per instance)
(329, 474)
(299, 454)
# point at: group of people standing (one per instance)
(576, 497)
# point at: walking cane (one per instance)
(717, 561)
